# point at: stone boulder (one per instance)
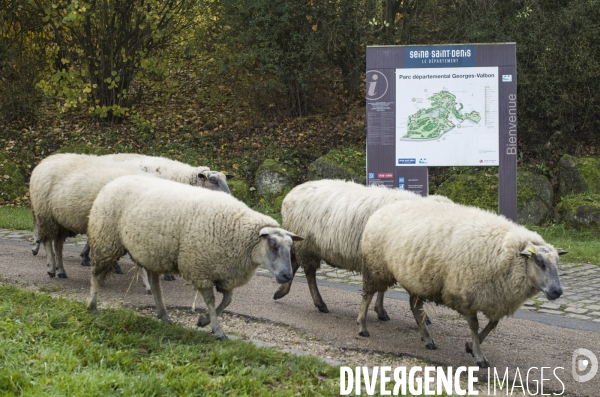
(479, 188)
(347, 163)
(578, 175)
(12, 181)
(534, 198)
(272, 178)
(475, 187)
(581, 211)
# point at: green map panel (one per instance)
(433, 122)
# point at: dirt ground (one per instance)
(518, 344)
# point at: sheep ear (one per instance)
(202, 176)
(229, 176)
(561, 252)
(264, 231)
(526, 253)
(293, 236)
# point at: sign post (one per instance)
(444, 105)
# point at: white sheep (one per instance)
(62, 190)
(331, 216)
(174, 170)
(463, 257)
(211, 239)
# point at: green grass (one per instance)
(583, 246)
(53, 346)
(18, 218)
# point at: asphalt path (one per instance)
(523, 344)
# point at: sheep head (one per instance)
(542, 268)
(273, 252)
(215, 180)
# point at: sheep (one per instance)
(463, 257)
(64, 186)
(163, 168)
(57, 192)
(62, 190)
(331, 215)
(174, 170)
(211, 239)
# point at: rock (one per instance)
(579, 211)
(476, 187)
(239, 190)
(534, 198)
(578, 175)
(479, 188)
(272, 178)
(12, 181)
(83, 149)
(347, 163)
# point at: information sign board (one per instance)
(444, 105)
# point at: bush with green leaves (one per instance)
(108, 53)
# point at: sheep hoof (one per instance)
(169, 277)
(62, 275)
(431, 346)
(34, 251)
(468, 349)
(203, 321)
(323, 309)
(384, 316)
(166, 319)
(149, 292)
(364, 333)
(85, 262)
(483, 363)
(118, 269)
(222, 337)
(52, 274)
(278, 294)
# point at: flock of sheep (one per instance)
(174, 218)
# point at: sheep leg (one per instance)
(284, 289)
(116, 268)
(311, 279)
(209, 299)
(416, 305)
(381, 312)
(161, 310)
(36, 249)
(145, 280)
(488, 328)
(85, 255)
(50, 254)
(367, 297)
(205, 318)
(58, 251)
(475, 348)
(95, 286)
(98, 274)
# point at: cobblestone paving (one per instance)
(581, 283)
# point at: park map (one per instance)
(435, 121)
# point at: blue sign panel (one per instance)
(440, 56)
